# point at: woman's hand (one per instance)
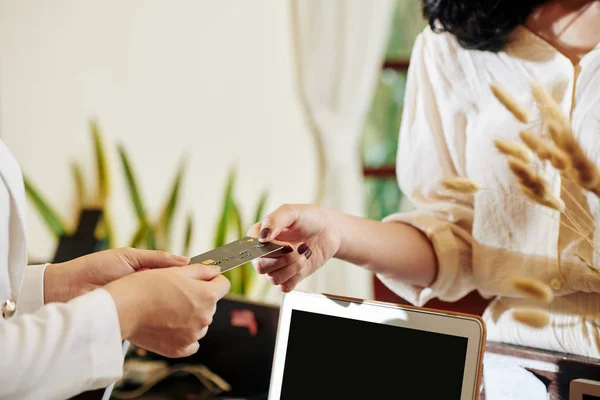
(310, 235)
(70, 279)
(168, 310)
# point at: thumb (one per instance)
(139, 258)
(200, 272)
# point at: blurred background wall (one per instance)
(210, 79)
(215, 81)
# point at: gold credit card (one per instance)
(236, 253)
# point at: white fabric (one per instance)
(339, 49)
(47, 351)
(450, 121)
(508, 378)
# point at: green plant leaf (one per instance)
(247, 270)
(101, 164)
(226, 213)
(132, 186)
(260, 207)
(238, 275)
(165, 222)
(109, 233)
(50, 217)
(236, 278)
(229, 222)
(138, 237)
(189, 229)
(134, 195)
(79, 184)
(249, 276)
(150, 236)
(236, 219)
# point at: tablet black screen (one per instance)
(339, 358)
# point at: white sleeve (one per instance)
(31, 295)
(431, 136)
(61, 349)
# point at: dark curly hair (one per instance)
(479, 24)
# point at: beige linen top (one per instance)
(449, 124)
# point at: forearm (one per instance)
(389, 248)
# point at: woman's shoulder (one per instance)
(459, 71)
(441, 46)
(446, 62)
(440, 39)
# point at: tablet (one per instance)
(332, 347)
(584, 389)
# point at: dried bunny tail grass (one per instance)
(533, 185)
(527, 177)
(459, 184)
(546, 200)
(514, 149)
(535, 144)
(580, 168)
(557, 157)
(559, 134)
(534, 289)
(549, 109)
(510, 104)
(584, 170)
(532, 317)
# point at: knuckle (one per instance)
(205, 320)
(180, 352)
(289, 259)
(125, 249)
(289, 285)
(260, 266)
(275, 279)
(226, 285)
(188, 336)
(163, 254)
(201, 333)
(212, 296)
(286, 288)
(268, 221)
(286, 207)
(172, 352)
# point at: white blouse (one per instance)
(51, 351)
(450, 121)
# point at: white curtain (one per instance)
(339, 47)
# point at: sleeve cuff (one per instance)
(447, 251)
(104, 338)
(31, 295)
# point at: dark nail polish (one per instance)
(287, 250)
(303, 248)
(308, 254)
(265, 233)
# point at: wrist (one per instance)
(335, 222)
(126, 308)
(57, 283)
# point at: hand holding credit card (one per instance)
(236, 253)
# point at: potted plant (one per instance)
(94, 229)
